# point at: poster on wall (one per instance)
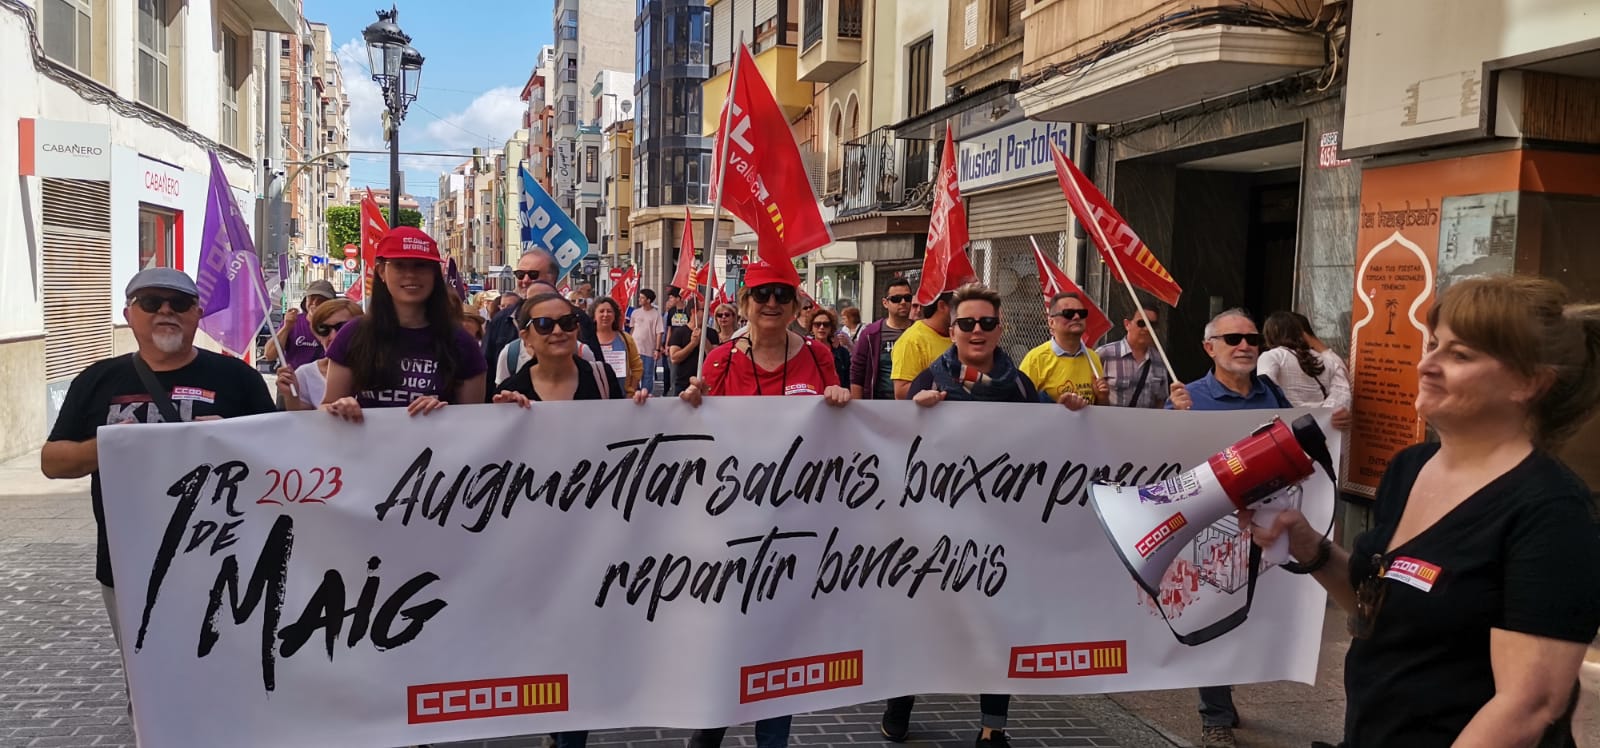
(1409, 215)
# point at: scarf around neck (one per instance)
(961, 382)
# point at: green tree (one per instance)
(344, 226)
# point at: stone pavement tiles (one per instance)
(61, 681)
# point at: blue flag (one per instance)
(546, 227)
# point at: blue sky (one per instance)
(478, 54)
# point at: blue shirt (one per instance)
(1210, 394)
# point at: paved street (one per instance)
(60, 683)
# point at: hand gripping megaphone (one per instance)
(1149, 526)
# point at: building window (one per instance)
(231, 115)
(919, 78)
(591, 164)
(159, 42)
(569, 24)
(69, 33)
(158, 237)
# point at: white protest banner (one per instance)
(485, 571)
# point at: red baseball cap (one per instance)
(408, 243)
(761, 273)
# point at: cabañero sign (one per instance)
(284, 581)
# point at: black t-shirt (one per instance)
(109, 392)
(681, 371)
(1522, 554)
(588, 388)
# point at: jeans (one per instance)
(993, 709)
(648, 381)
(1216, 707)
(770, 733)
(577, 739)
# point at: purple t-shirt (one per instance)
(419, 368)
(303, 347)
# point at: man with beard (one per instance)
(1234, 344)
(166, 380)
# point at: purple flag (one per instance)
(452, 275)
(232, 291)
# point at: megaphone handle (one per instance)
(1266, 512)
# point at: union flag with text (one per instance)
(766, 184)
(626, 288)
(1054, 280)
(373, 227)
(1113, 235)
(682, 275)
(945, 266)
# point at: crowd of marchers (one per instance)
(1488, 654)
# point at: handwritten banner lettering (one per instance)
(487, 571)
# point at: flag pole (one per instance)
(1138, 308)
(716, 195)
(1092, 368)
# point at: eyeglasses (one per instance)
(151, 303)
(526, 274)
(1370, 593)
(899, 298)
(1071, 314)
(1254, 339)
(968, 323)
(330, 328)
(821, 323)
(724, 315)
(765, 293)
(1140, 323)
(547, 325)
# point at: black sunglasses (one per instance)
(1233, 338)
(547, 325)
(151, 303)
(821, 323)
(724, 315)
(330, 328)
(1072, 314)
(1140, 322)
(968, 323)
(763, 294)
(899, 298)
(526, 274)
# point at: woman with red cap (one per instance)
(769, 359)
(409, 350)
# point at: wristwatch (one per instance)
(1324, 552)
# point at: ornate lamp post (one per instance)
(397, 69)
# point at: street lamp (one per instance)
(397, 69)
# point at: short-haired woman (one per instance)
(975, 369)
(409, 350)
(1476, 592)
(302, 388)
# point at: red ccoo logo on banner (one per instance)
(478, 699)
(802, 675)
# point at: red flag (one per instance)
(682, 274)
(626, 288)
(1112, 234)
(373, 227)
(1052, 280)
(705, 276)
(945, 266)
(766, 184)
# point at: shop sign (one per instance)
(159, 183)
(1009, 154)
(63, 150)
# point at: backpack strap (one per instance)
(602, 380)
(158, 394)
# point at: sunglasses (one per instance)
(724, 315)
(1254, 339)
(1370, 593)
(967, 324)
(152, 303)
(899, 298)
(547, 325)
(526, 274)
(330, 328)
(1070, 314)
(1140, 323)
(763, 294)
(821, 323)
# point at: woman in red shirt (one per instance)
(769, 359)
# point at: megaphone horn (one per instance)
(1150, 525)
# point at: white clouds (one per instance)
(495, 114)
(366, 99)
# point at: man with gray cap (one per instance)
(298, 346)
(166, 380)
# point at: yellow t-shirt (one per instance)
(918, 347)
(1053, 374)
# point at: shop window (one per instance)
(159, 237)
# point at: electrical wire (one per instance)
(95, 92)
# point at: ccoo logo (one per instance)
(803, 675)
(494, 697)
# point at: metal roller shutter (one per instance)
(77, 275)
(1035, 208)
(744, 23)
(723, 34)
(767, 10)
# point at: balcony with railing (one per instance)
(882, 172)
(830, 39)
